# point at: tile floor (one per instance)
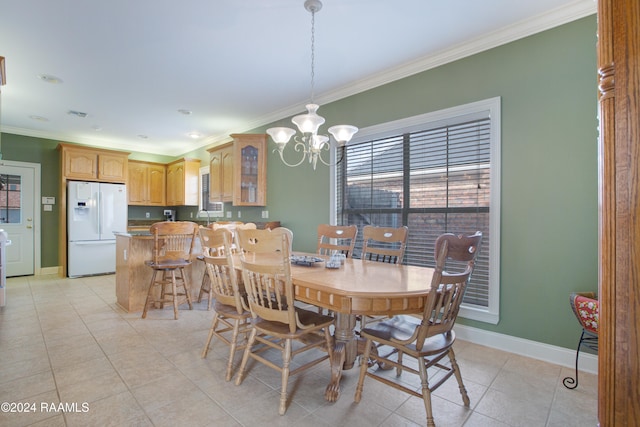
(65, 342)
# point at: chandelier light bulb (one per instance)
(310, 122)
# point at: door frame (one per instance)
(36, 168)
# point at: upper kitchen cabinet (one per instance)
(221, 173)
(182, 182)
(249, 169)
(93, 164)
(147, 183)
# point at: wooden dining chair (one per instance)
(288, 232)
(230, 311)
(260, 241)
(206, 240)
(340, 238)
(277, 322)
(173, 243)
(430, 340)
(382, 244)
(242, 226)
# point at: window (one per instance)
(207, 207)
(10, 199)
(435, 173)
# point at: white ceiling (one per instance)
(130, 65)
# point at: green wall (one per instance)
(38, 150)
(547, 83)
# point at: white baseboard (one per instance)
(537, 350)
(49, 270)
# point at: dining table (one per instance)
(357, 287)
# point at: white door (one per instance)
(17, 218)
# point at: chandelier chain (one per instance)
(313, 53)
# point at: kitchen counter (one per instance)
(144, 232)
(133, 276)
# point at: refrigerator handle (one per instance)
(99, 212)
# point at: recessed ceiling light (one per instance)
(194, 135)
(141, 136)
(184, 111)
(47, 78)
(39, 118)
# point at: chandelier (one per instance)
(309, 142)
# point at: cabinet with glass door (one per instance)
(250, 169)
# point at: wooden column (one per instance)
(619, 216)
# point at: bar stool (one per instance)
(172, 248)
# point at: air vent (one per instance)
(77, 113)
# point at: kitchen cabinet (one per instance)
(147, 183)
(221, 173)
(182, 182)
(93, 164)
(249, 169)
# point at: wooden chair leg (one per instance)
(214, 323)
(148, 300)
(286, 362)
(186, 287)
(232, 349)
(175, 294)
(245, 356)
(204, 286)
(426, 392)
(456, 372)
(162, 288)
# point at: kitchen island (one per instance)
(133, 276)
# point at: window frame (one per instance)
(202, 212)
(486, 108)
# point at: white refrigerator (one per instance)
(94, 212)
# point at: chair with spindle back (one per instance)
(231, 313)
(383, 244)
(430, 339)
(173, 244)
(277, 321)
(336, 238)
